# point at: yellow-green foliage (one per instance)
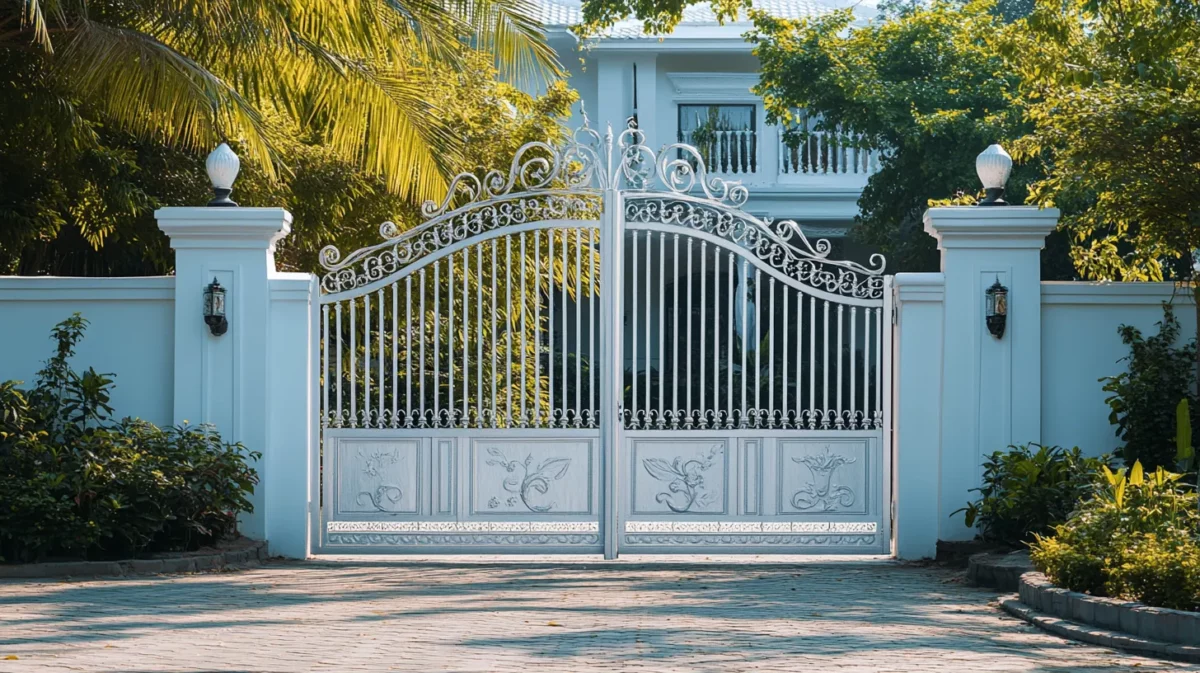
(1134, 538)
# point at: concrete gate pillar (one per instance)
(961, 392)
(253, 383)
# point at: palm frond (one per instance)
(151, 90)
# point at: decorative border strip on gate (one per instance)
(601, 351)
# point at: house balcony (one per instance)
(775, 156)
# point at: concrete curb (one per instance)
(1153, 624)
(998, 571)
(242, 555)
(1097, 636)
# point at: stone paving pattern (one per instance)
(366, 616)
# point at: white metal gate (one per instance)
(600, 351)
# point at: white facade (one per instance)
(659, 79)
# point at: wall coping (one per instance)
(1109, 293)
(65, 288)
(920, 287)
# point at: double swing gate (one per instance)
(599, 351)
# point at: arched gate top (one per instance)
(565, 183)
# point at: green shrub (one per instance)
(1028, 490)
(1144, 398)
(74, 482)
(1134, 538)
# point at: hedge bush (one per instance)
(1144, 398)
(76, 483)
(1134, 538)
(1028, 490)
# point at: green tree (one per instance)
(1112, 90)
(927, 86)
(88, 210)
(353, 73)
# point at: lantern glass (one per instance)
(214, 308)
(990, 302)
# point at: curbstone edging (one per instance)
(998, 570)
(1013, 605)
(1163, 625)
(249, 554)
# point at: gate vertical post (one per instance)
(612, 377)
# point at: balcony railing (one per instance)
(726, 152)
(826, 152)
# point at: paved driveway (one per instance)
(813, 616)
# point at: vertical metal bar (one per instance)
(421, 363)
(408, 349)
(771, 356)
(450, 406)
(612, 241)
(337, 309)
(825, 366)
(395, 354)
(466, 344)
(550, 325)
(379, 370)
(325, 357)
(800, 360)
(729, 347)
(593, 319)
(647, 329)
(879, 411)
(510, 324)
(840, 352)
(382, 383)
(578, 326)
(690, 373)
(812, 362)
(757, 347)
(704, 330)
(563, 340)
(479, 415)
(675, 333)
(537, 329)
(495, 374)
(524, 349)
(633, 405)
(745, 292)
(853, 367)
(437, 344)
(353, 363)
(366, 360)
(662, 325)
(783, 352)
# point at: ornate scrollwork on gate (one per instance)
(781, 244)
(543, 182)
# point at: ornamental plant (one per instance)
(1144, 400)
(1028, 490)
(76, 483)
(1134, 538)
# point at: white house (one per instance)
(693, 85)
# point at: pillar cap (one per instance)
(202, 227)
(997, 227)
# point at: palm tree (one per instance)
(348, 72)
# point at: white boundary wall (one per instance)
(962, 394)
(131, 334)
(959, 392)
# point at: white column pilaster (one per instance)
(991, 388)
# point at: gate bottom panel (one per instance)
(460, 491)
(753, 491)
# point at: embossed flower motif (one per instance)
(493, 503)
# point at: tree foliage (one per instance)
(69, 209)
(1112, 90)
(927, 86)
(353, 73)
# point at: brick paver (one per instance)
(815, 616)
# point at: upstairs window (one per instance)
(725, 135)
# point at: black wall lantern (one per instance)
(214, 308)
(997, 308)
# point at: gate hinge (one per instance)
(895, 314)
